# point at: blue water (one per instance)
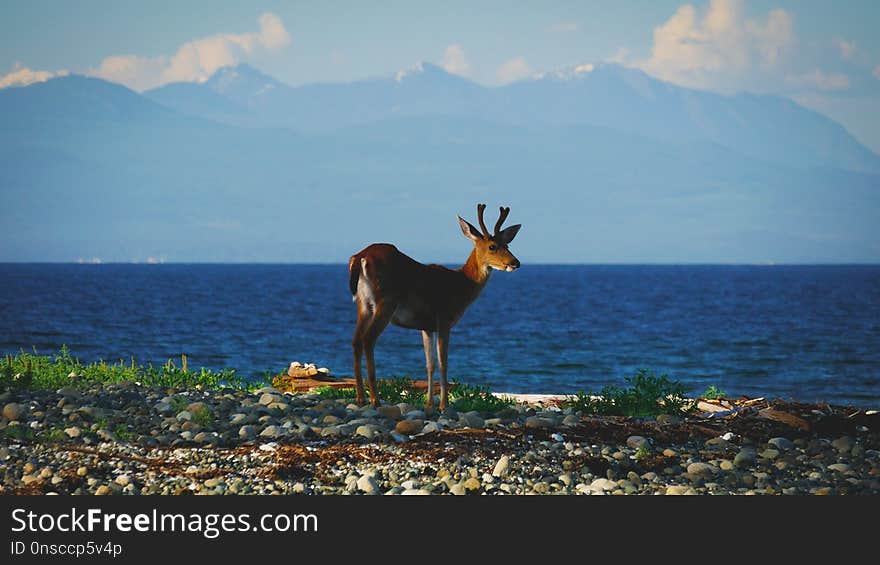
(810, 333)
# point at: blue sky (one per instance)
(823, 54)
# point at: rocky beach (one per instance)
(129, 439)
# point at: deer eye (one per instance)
(493, 247)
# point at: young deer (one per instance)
(390, 287)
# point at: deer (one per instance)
(388, 286)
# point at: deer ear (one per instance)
(468, 230)
(507, 234)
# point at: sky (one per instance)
(823, 54)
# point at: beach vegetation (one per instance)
(644, 395)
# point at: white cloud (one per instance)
(818, 79)
(565, 27)
(773, 37)
(847, 48)
(689, 47)
(620, 56)
(23, 76)
(195, 60)
(455, 61)
(513, 70)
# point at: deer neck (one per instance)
(476, 271)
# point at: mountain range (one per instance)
(601, 163)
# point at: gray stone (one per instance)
(571, 420)
(204, 437)
(636, 442)
(415, 492)
(184, 415)
(238, 418)
(769, 454)
(457, 489)
(841, 468)
(501, 467)
(123, 480)
(367, 485)
(602, 484)
(415, 415)
(430, 428)
(538, 422)
(399, 437)
(247, 432)
(13, 411)
(680, 490)
(704, 470)
(367, 430)
(389, 411)
(268, 398)
(73, 431)
(716, 443)
(843, 444)
(745, 458)
(271, 432)
(472, 419)
(781, 443)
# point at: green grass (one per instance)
(400, 389)
(468, 397)
(393, 391)
(646, 395)
(713, 393)
(203, 417)
(27, 371)
(122, 432)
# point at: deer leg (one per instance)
(428, 342)
(381, 318)
(357, 345)
(443, 357)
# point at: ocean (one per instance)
(808, 333)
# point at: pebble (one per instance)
(472, 484)
(602, 484)
(457, 489)
(366, 430)
(409, 427)
(781, 443)
(637, 442)
(745, 458)
(680, 490)
(704, 470)
(389, 411)
(430, 428)
(536, 422)
(561, 460)
(268, 398)
(841, 468)
(842, 444)
(471, 419)
(13, 411)
(367, 485)
(501, 467)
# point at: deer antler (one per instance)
(480, 209)
(501, 218)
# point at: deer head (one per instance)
(490, 250)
